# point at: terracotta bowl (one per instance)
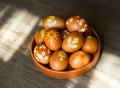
(68, 74)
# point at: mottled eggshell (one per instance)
(90, 45)
(53, 39)
(42, 54)
(76, 23)
(65, 33)
(39, 36)
(53, 22)
(79, 59)
(73, 42)
(59, 60)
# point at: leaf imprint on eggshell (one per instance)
(51, 18)
(43, 32)
(69, 40)
(62, 55)
(54, 22)
(74, 46)
(75, 40)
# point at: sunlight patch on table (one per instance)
(14, 32)
(105, 71)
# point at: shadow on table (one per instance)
(19, 71)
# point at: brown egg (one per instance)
(90, 45)
(65, 33)
(53, 22)
(79, 59)
(73, 42)
(53, 39)
(42, 54)
(39, 36)
(59, 60)
(76, 23)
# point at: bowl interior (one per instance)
(69, 72)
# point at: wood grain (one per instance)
(20, 19)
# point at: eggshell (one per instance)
(53, 39)
(76, 23)
(59, 60)
(79, 59)
(90, 45)
(73, 42)
(53, 22)
(65, 33)
(42, 54)
(39, 36)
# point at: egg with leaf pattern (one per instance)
(73, 42)
(59, 60)
(39, 36)
(53, 21)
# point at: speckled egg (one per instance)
(59, 60)
(90, 45)
(73, 42)
(65, 33)
(76, 23)
(53, 39)
(53, 22)
(42, 54)
(79, 59)
(39, 36)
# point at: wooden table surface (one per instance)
(20, 19)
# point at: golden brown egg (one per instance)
(76, 23)
(53, 39)
(59, 60)
(79, 59)
(42, 54)
(53, 22)
(39, 36)
(90, 45)
(73, 42)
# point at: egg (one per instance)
(53, 22)
(65, 33)
(73, 42)
(76, 23)
(42, 54)
(59, 60)
(79, 59)
(90, 45)
(53, 39)
(39, 36)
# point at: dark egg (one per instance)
(79, 59)
(59, 60)
(90, 45)
(76, 23)
(42, 54)
(73, 42)
(53, 39)
(39, 36)
(65, 33)
(53, 22)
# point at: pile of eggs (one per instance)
(65, 45)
